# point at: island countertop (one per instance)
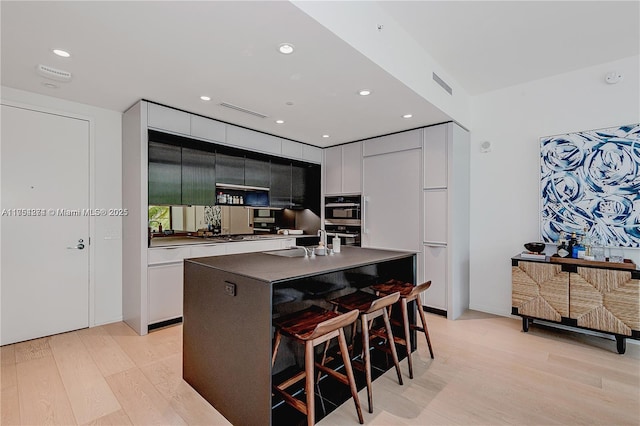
(271, 268)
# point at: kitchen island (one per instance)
(229, 304)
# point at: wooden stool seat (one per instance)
(312, 327)
(371, 307)
(408, 293)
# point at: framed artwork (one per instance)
(591, 180)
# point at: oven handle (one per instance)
(338, 234)
(342, 205)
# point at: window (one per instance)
(159, 215)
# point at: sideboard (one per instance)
(599, 296)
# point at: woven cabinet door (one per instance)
(605, 299)
(540, 290)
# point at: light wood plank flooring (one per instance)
(485, 372)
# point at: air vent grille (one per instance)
(246, 111)
(442, 84)
(53, 73)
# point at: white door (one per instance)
(392, 206)
(45, 187)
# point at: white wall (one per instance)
(505, 182)
(106, 242)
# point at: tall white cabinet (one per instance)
(391, 191)
(415, 186)
(446, 218)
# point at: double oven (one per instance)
(343, 218)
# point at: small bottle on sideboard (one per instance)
(562, 246)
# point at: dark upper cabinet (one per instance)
(281, 180)
(306, 187)
(165, 174)
(229, 169)
(257, 173)
(198, 177)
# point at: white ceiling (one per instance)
(174, 52)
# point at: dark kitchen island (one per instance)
(229, 303)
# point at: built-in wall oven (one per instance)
(342, 218)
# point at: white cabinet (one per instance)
(165, 292)
(291, 149)
(392, 202)
(435, 269)
(169, 119)
(207, 129)
(435, 216)
(446, 218)
(403, 141)
(254, 141)
(343, 169)
(207, 250)
(332, 170)
(435, 157)
(311, 154)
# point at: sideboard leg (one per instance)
(525, 324)
(621, 343)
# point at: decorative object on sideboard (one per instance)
(591, 179)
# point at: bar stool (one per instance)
(408, 292)
(371, 307)
(312, 327)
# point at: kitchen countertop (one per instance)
(270, 268)
(160, 242)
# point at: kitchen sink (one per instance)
(290, 252)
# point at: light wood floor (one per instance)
(486, 372)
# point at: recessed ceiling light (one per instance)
(205, 98)
(407, 116)
(364, 92)
(62, 53)
(325, 136)
(279, 121)
(286, 48)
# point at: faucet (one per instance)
(156, 221)
(306, 251)
(323, 237)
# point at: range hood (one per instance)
(241, 195)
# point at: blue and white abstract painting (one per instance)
(592, 180)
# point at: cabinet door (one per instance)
(435, 270)
(333, 170)
(435, 216)
(291, 149)
(229, 169)
(254, 141)
(170, 119)
(605, 299)
(198, 177)
(391, 189)
(280, 194)
(298, 186)
(311, 154)
(165, 174)
(208, 129)
(435, 156)
(540, 290)
(165, 292)
(352, 168)
(257, 173)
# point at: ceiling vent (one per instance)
(442, 84)
(246, 111)
(53, 73)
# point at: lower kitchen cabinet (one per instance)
(165, 272)
(602, 298)
(165, 292)
(435, 270)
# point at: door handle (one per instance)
(79, 246)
